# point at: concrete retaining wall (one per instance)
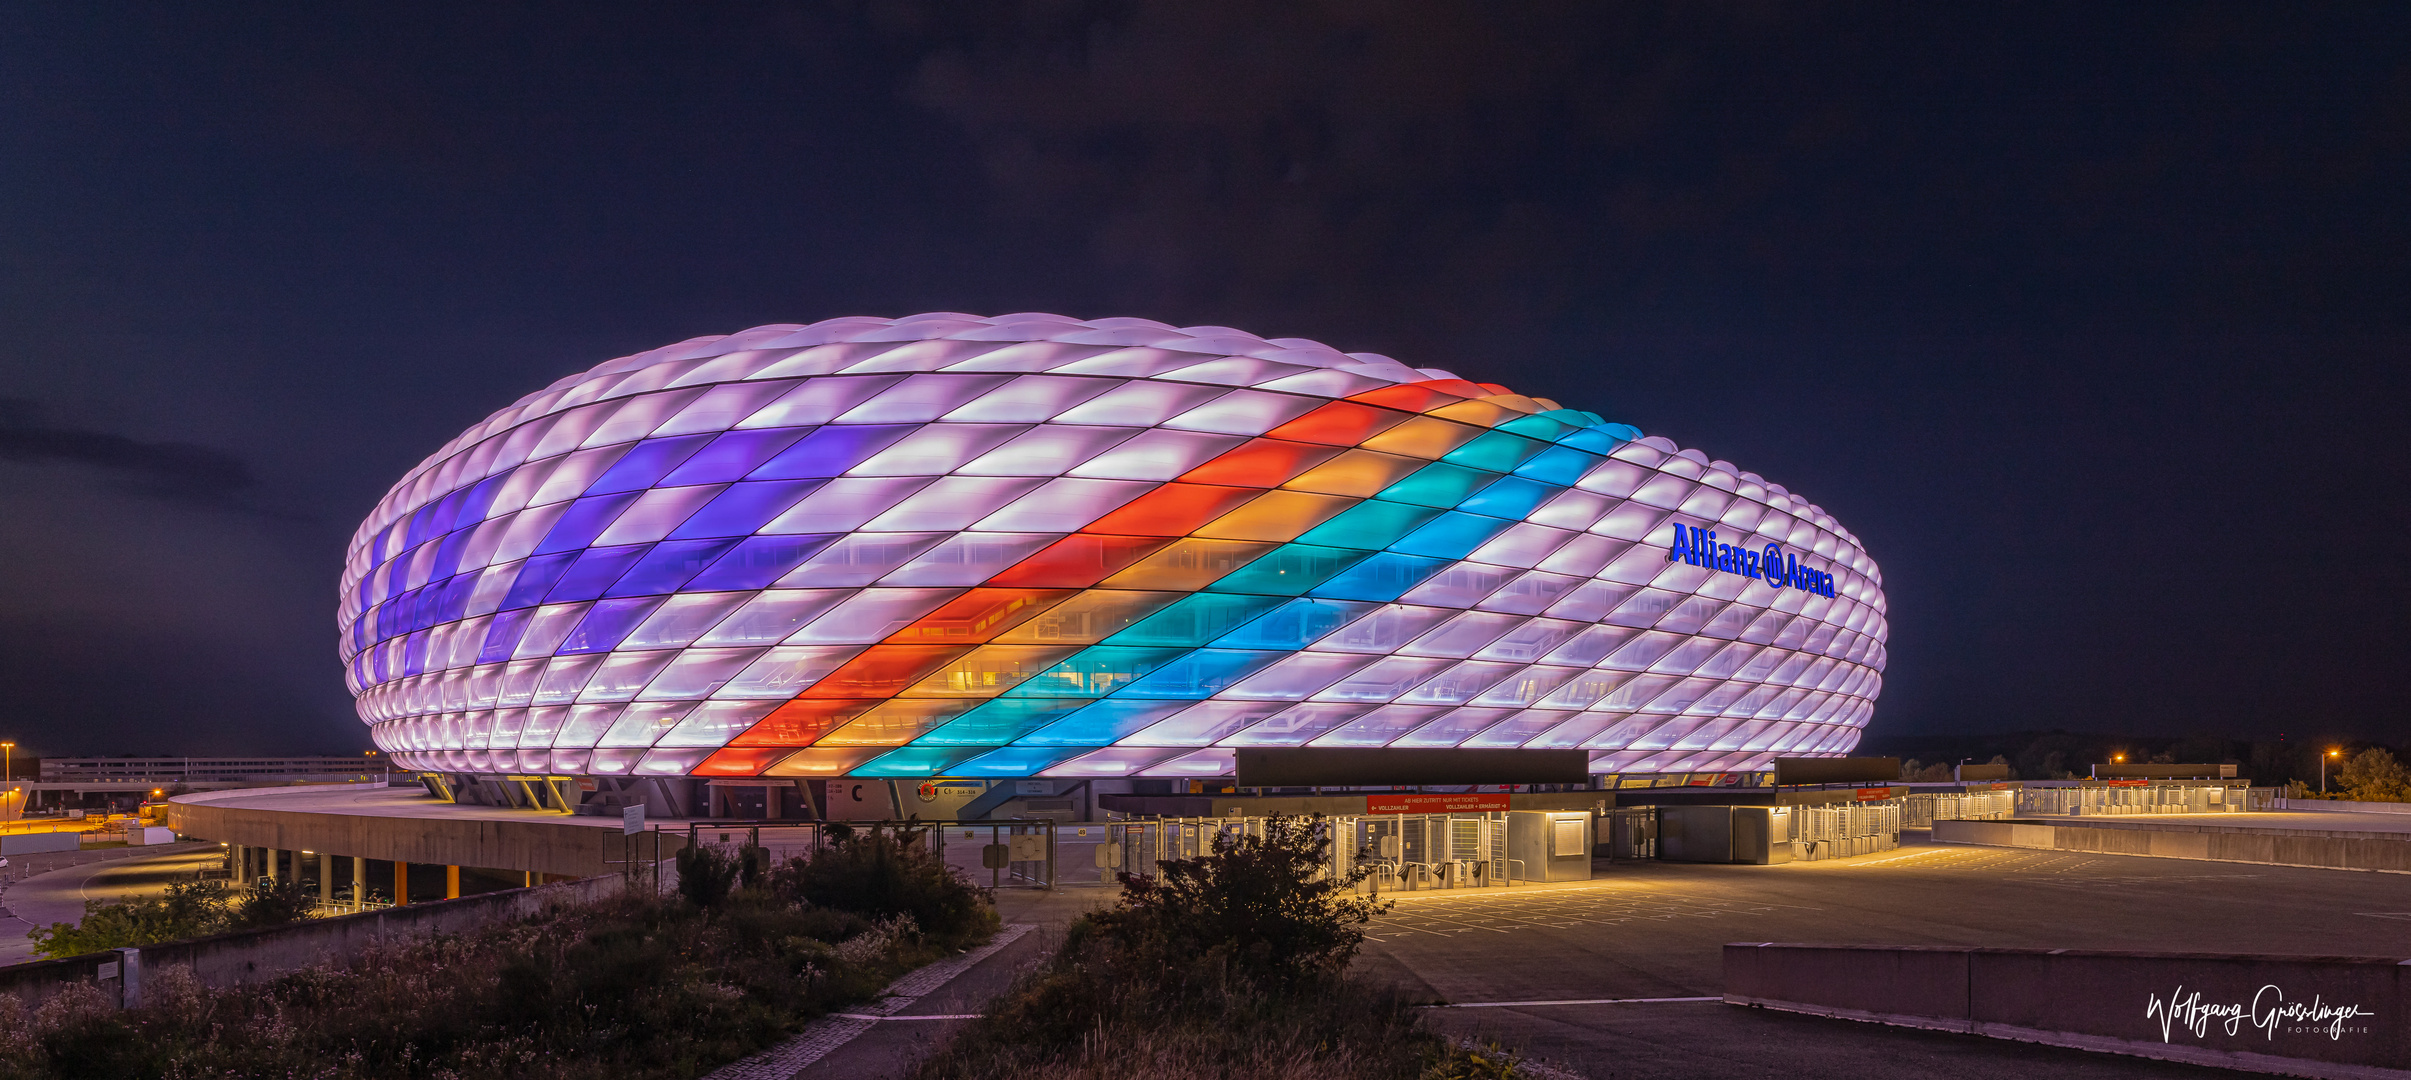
(2317, 1016)
(2333, 805)
(250, 956)
(2278, 847)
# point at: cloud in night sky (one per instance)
(175, 472)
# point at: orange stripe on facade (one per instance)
(1211, 492)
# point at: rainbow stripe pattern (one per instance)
(1037, 546)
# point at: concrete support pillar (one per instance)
(451, 883)
(326, 877)
(236, 858)
(296, 864)
(401, 883)
(271, 863)
(359, 882)
(530, 879)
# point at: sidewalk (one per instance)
(886, 1038)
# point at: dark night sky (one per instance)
(2090, 320)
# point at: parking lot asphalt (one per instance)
(1649, 930)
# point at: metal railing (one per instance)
(1006, 854)
(2138, 799)
(1399, 852)
(1923, 810)
(1842, 830)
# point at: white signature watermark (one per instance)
(2268, 1011)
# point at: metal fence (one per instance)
(1923, 810)
(999, 854)
(1846, 829)
(1399, 852)
(2141, 799)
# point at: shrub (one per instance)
(270, 902)
(189, 909)
(1262, 904)
(1229, 965)
(706, 873)
(634, 987)
(884, 874)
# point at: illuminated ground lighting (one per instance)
(1032, 545)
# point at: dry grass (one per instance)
(631, 987)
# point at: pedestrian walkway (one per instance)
(897, 1003)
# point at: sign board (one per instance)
(1874, 794)
(1790, 772)
(631, 820)
(1307, 766)
(1033, 787)
(1462, 803)
(2126, 783)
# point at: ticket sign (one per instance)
(1460, 803)
(1874, 794)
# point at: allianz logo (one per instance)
(1772, 565)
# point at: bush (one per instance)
(630, 987)
(885, 874)
(189, 909)
(1228, 965)
(706, 873)
(1261, 904)
(270, 902)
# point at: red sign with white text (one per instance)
(1464, 803)
(1874, 794)
(2127, 783)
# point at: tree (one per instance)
(2374, 776)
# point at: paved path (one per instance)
(53, 886)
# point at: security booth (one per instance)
(1815, 808)
(1549, 845)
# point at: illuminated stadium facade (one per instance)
(1035, 546)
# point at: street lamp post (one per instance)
(2323, 770)
(8, 766)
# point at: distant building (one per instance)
(209, 770)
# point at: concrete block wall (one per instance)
(250, 956)
(2318, 1016)
(2278, 847)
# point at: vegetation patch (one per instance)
(1232, 965)
(190, 909)
(634, 986)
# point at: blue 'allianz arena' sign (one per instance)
(1699, 547)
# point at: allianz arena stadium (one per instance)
(1034, 546)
